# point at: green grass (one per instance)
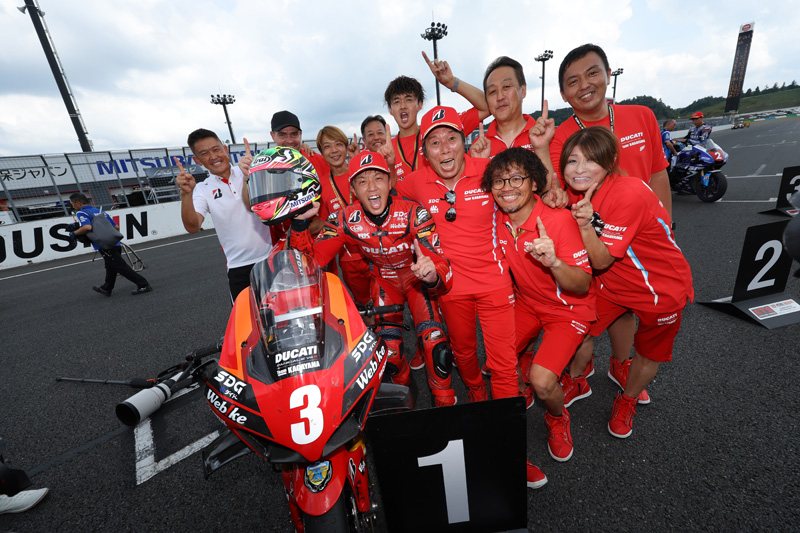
(762, 102)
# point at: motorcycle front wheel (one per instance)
(343, 517)
(717, 185)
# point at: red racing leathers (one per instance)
(388, 248)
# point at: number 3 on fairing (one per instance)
(308, 396)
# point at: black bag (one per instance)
(103, 233)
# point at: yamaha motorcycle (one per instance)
(697, 171)
(298, 374)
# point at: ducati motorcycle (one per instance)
(697, 171)
(298, 374)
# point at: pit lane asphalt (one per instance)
(715, 450)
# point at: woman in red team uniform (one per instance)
(638, 266)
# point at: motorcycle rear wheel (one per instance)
(717, 185)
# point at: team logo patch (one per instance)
(422, 216)
(366, 160)
(438, 116)
(355, 218)
(217, 193)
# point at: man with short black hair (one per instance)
(112, 257)
(244, 239)
(373, 132)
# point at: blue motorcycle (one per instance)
(696, 170)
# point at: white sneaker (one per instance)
(22, 501)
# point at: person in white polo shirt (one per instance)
(244, 239)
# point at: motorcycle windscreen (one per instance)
(287, 289)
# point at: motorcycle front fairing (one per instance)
(299, 369)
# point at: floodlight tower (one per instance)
(434, 33)
(615, 74)
(225, 100)
(544, 58)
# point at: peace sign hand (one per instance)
(353, 149)
(482, 147)
(185, 181)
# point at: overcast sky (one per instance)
(142, 71)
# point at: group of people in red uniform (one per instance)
(564, 232)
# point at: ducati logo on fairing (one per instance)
(288, 355)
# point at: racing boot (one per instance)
(397, 369)
(438, 365)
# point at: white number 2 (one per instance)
(455, 479)
(312, 413)
(776, 248)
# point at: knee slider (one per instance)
(442, 356)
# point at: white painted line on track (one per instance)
(90, 260)
(747, 201)
(145, 447)
(752, 176)
(763, 165)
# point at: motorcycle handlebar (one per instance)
(382, 310)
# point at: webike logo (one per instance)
(31, 241)
(369, 371)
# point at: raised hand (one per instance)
(441, 70)
(353, 149)
(247, 160)
(387, 149)
(482, 147)
(542, 132)
(185, 181)
(583, 210)
(424, 268)
(543, 249)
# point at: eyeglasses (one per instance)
(450, 198)
(514, 181)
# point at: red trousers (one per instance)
(495, 311)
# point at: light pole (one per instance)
(225, 100)
(59, 74)
(434, 33)
(544, 58)
(615, 74)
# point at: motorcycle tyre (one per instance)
(343, 517)
(710, 193)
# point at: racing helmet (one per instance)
(282, 183)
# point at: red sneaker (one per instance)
(536, 478)
(485, 371)
(559, 437)
(418, 361)
(528, 395)
(443, 398)
(618, 373)
(574, 388)
(621, 423)
(478, 394)
(524, 366)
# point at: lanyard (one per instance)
(413, 164)
(610, 118)
(338, 193)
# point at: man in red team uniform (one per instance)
(583, 79)
(388, 230)
(552, 282)
(404, 97)
(450, 189)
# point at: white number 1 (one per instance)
(455, 479)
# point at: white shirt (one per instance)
(244, 239)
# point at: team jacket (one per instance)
(388, 247)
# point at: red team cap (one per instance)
(697, 114)
(439, 116)
(365, 161)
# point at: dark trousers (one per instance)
(238, 280)
(115, 264)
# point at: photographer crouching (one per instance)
(104, 235)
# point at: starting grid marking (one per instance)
(145, 447)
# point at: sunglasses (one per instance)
(450, 198)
